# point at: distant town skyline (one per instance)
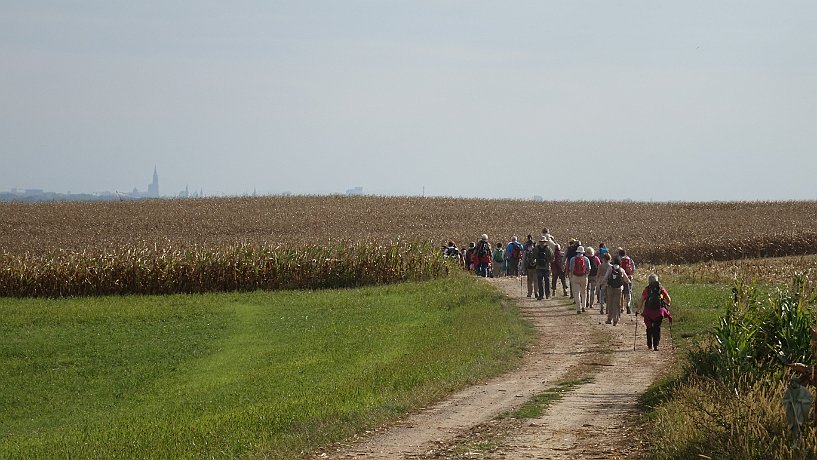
(152, 191)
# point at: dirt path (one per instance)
(589, 421)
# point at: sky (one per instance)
(578, 100)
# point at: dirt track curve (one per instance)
(588, 422)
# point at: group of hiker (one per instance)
(592, 277)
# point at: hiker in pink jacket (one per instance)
(654, 302)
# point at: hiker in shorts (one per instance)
(543, 259)
(654, 305)
(616, 278)
(557, 270)
(482, 255)
(513, 253)
(629, 267)
(578, 268)
(590, 296)
(500, 267)
(529, 263)
(601, 281)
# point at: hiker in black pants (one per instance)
(654, 302)
(513, 254)
(543, 259)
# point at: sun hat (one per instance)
(543, 238)
(589, 251)
(580, 250)
(653, 278)
(484, 237)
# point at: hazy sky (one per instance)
(662, 100)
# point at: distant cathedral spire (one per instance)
(153, 188)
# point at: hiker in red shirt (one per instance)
(482, 256)
(653, 304)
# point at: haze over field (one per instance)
(689, 100)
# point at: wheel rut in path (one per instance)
(587, 422)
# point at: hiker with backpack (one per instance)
(601, 281)
(513, 253)
(590, 296)
(629, 267)
(579, 267)
(570, 253)
(654, 305)
(482, 254)
(615, 279)
(543, 259)
(557, 270)
(529, 264)
(500, 265)
(603, 249)
(452, 252)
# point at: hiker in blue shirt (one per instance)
(513, 254)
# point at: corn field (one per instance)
(160, 246)
(230, 268)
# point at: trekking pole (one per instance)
(672, 340)
(635, 334)
(521, 292)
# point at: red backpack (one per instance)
(627, 265)
(580, 266)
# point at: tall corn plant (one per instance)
(242, 267)
(755, 335)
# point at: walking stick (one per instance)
(521, 292)
(672, 340)
(635, 334)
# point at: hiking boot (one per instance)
(629, 312)
(582, 310)
(608, 322)
(655, 348)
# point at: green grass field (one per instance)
(239, 375)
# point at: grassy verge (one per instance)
(243, 374)
(725, 400)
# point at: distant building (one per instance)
(355, 191)
(152, 191)
(153, 187)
